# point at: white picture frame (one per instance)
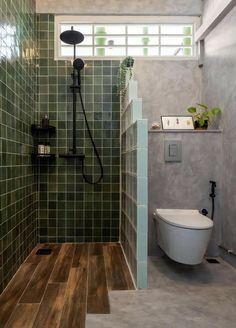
(177, 122)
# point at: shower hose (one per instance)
(94, 147)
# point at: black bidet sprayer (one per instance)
(212, 196)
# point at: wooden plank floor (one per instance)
(97, 300)
(57, 290)
(118, 277)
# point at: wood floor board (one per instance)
(36, 287)
(63, 264)
(125, 269)
(23, 316)
(98, 299)
(80, 255)
(13, 292)
(112, 244)
(115, 276)
(95, 249)
(75, 306)
(49, 312)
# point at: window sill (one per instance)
(93, 58)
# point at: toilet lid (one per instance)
(189, 219)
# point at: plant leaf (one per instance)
(203, 106)
(206, 115)
(201, 122)
(192, 110)
(215, 111)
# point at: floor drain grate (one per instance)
(210, 260)
(44, 251)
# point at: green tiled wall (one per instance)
(17, 100)
(69, 209)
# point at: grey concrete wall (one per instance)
(185, 184)
(209, 7)
(153, 7)
(167, 87)
(219, 85)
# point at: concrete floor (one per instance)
(178, 297)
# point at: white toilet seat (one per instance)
(188, 219)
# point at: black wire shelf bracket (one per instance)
(36, 129)
(75, 156)
(43, 156)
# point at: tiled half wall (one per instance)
(134, 134)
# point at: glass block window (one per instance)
(117, 40)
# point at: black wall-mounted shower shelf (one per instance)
(43, 156)
(80, 156)
(40, 133)
(35, 128)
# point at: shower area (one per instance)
(84, 205)
(70, 209)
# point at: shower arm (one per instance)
(74, 105)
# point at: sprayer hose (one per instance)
(213, 208)
(94, 147)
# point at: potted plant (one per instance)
(100, 40)
(125, 73)
(202, 114)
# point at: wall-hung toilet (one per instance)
(183, 234)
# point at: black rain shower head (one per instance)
(78, 64)
(72, 37)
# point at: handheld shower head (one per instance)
(78, 64)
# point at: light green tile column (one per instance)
(134, 185)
